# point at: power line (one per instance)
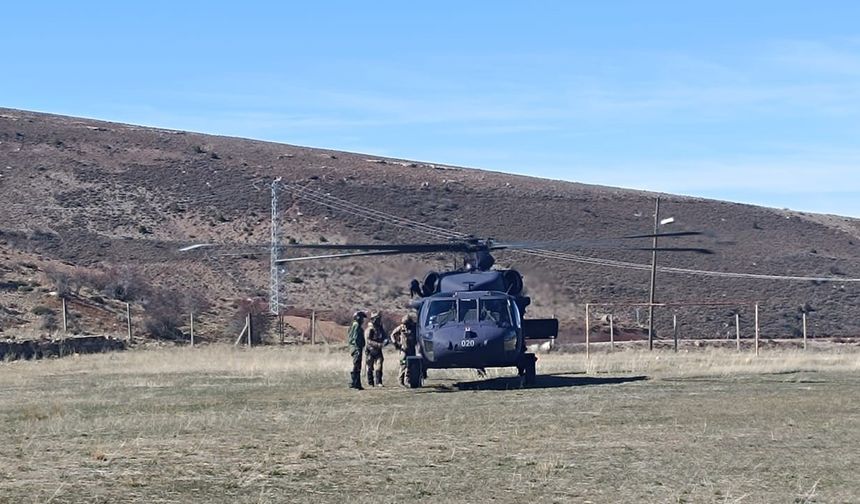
(332, 202)
(561, 256)
(329, 201)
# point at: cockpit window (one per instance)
(441, 312)
(468, 310)
(496, 311)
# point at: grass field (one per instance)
(216, 424)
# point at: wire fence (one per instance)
(738, 325)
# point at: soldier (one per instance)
(375, 336)
(355, 339)
(404, 339)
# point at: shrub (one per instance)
(342, 317)
(124, 283)
(166, 311)
(59, 280)
(163, 316)
(163, 326)
(49, 322)
(42, 310)
(836, 270)
(11, 285)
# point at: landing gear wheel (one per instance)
(414, 371)
(526, 369)
(529, 377)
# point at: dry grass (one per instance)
(721, 362)
(216, 424)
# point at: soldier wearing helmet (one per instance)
(375, 337)
(355, 339)
(404, 339)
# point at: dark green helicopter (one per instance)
(473, 316)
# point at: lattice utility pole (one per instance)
(274, 254)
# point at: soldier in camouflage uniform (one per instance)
(355, 339)
(404, 339)
(375, 337)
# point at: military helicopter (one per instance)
(472, 316)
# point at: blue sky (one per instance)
(756, 102)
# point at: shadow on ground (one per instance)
(549, 381)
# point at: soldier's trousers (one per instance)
(373, 361)
(356, 360)
(404, 353)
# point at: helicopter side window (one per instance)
(441, 312)
(496, 311)
(468, 310)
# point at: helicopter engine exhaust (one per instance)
(431, 284)
(513, 282)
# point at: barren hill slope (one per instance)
(109, 204)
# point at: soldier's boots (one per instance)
(356, 381)
(370, 378)
(379, 378)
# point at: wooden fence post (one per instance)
(281, 327)
(65, 318)
(756, 329)
(192, 328)
(313, 327)
(738, 331)
(611, 333)
(675, 330)
(128, 320)
(804, 330)
(250, 330)
(587, 331)
(242, 333)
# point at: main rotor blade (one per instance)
(337, 256)
(582, 245)
(616, 243)
(403, 248)
(674, 249)
(664, 235)
(195, 246)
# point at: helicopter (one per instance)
(472, 316)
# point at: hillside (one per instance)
(99, 210)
